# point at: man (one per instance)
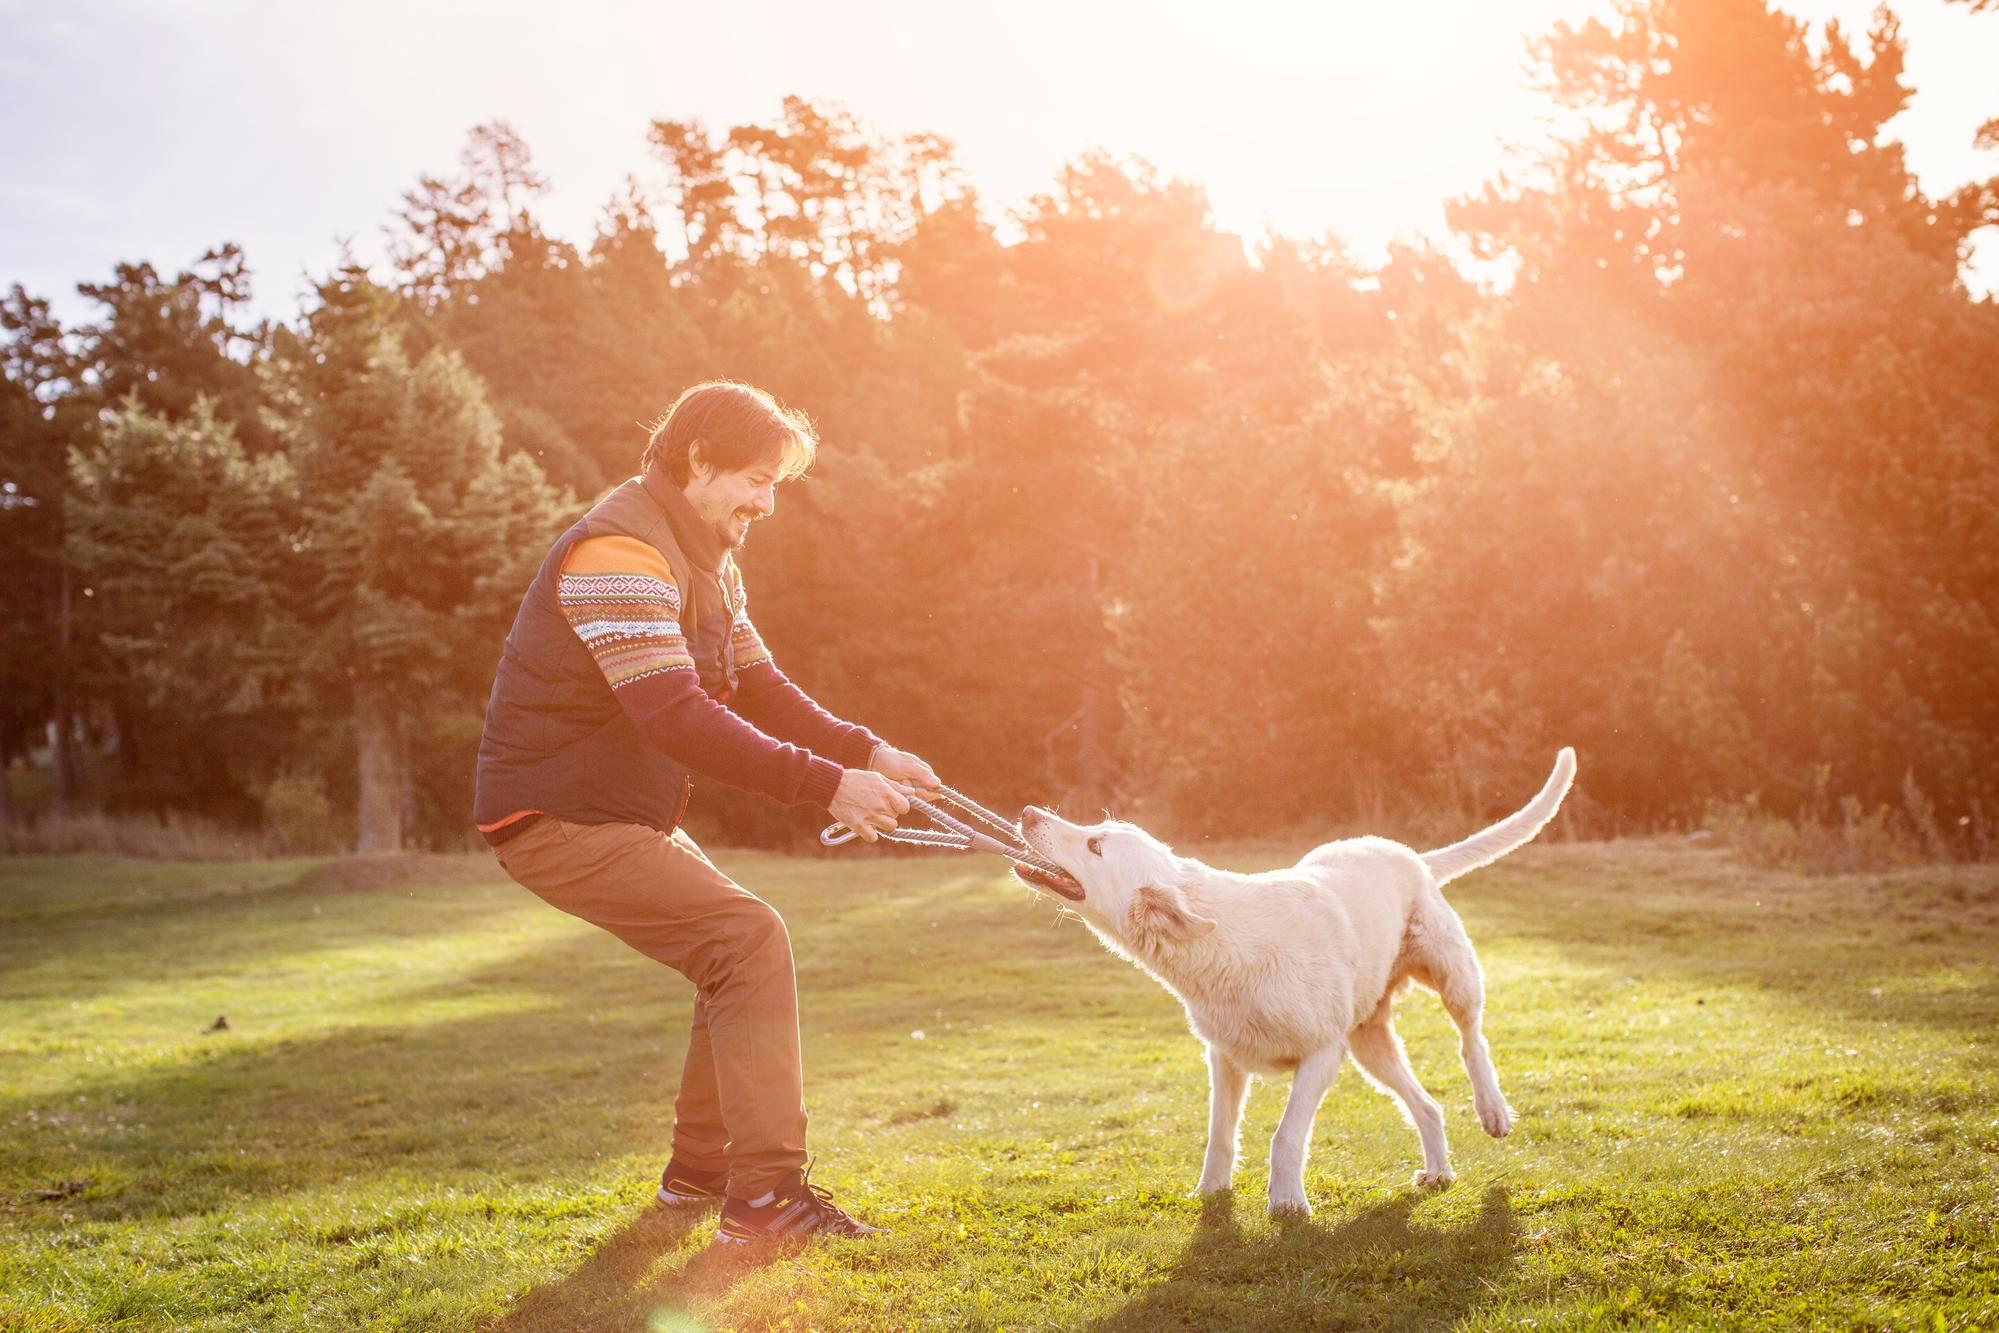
(631, 665)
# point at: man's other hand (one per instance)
(869, 803)
(904, 767)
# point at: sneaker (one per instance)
(799, 1211)
(684, 1186)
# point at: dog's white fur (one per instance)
(1290, 971)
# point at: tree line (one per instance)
(1110, 511)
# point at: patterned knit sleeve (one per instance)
(619, 596)
(745, 644)
(781, 708)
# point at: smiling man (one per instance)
(631, 666)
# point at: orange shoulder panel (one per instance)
(616, 555)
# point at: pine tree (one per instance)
(185, 541)
(42, 411)
(416, 534)
(167, 342)
(1729, 433)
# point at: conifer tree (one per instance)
(186, 543)
(41, 412)
(1724, 464)
(416, 535)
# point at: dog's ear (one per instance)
(1166, 911)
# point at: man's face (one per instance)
(730, 501)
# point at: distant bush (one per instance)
(172, 837)
(1824, 838)
(299, 818)
(1814, 846)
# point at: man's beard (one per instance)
(733, 539)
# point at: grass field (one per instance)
(1746, 1100)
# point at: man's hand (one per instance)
(869, 803)
(901, 766)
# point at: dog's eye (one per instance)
(1096, 846)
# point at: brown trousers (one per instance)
(742, 1101)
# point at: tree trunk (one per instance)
(408, 788)
(62, 752)
(376, 727)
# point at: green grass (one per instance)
(1746, 1099)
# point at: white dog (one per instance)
(1292, 970)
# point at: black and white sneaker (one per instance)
(685, 1187)
(797, 1211)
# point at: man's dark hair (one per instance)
(737, 426)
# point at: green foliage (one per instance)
(1111, 511)
(183, 541)
(168, 344)
(1739, 324)
(1831, 836)
(40, 413)
(184, 536)
(30, 528)
(298, 816)
(416, 532)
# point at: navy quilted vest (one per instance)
(556, 739)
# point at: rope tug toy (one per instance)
(950, 831)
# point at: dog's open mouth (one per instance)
(1059, 885)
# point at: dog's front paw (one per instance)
(1207, 1189)
(1286, 1203)
(1497, 1118)
(1433, 1180)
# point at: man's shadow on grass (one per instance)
(1374, 1269)
(631, 1279)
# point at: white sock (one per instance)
(759, 1203)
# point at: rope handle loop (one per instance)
(999, 836)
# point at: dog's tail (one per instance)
(1516, 830)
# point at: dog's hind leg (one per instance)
(1294, 1129)
(1450, 967)
(1378, 1051)
(1227, 1083)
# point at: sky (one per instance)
(155, 129)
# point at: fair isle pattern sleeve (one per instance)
(746, 646)
(619, 596)
(777, 706)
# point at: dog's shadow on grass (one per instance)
(643, 1271)
(1377, 1268)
